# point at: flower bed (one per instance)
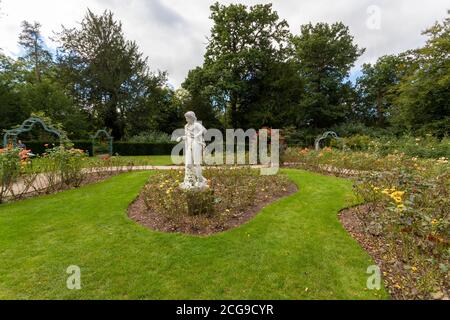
(404, 221)
(235, 196)
(59, 168)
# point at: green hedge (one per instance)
(119, 147)
(38, 147)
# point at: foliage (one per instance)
(345, 162)
(423, 94)
(245, 46)
(12, 109)
(151, 137)
(105, 71)
(204, 98)
(48, 100)
(9, 170)
(255, 73)
(325, 54)
(407, 203)
(140, 149)
(36, 55)
(40, 147)
(376, 88)
(426, 146)
(411, 209)
(65, 165)
(358, 142)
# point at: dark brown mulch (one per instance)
(396, 278)
(139, 212)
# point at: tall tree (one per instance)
(244, 42)
(204, 98)
(11, 106)
(35, 54)
(377, 88)
(423, 100)
(324, 55)
(105, 72)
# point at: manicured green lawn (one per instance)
(294, 249)
(155, 160)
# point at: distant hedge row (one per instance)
(121, 148)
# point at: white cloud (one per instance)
(172, 33)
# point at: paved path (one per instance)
(39, 182)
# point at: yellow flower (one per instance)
(385, 191)
(397, 199)
(434, 221)
(401, 206)
(413, 269)
(397, 194)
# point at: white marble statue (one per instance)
(193, 153)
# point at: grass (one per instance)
(294, 249)
(155, 160)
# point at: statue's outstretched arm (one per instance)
(202, 132)
(181, 138)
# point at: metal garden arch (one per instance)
(26, 126)
(323, 137)
(108, 137)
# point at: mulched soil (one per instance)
(201, 225)
(396, 275)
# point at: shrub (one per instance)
(411, 211)
(63, 166)
(70, 163)
(406, 202)
(141, 149)
(358, 142)
(10, 164)
(151, 137)
(424, 147)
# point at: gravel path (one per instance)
(40, 181)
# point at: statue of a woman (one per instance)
(194, 145)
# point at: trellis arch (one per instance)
(323, 137)
(109, 138)
(26, 126)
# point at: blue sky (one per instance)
(172, 33)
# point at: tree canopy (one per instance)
(255, 74)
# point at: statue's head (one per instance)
(190, 117)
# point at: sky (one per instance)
(173, 33)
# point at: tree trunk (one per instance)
(112, 120)
(36, 61)
(380, 111)
(233, 102)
